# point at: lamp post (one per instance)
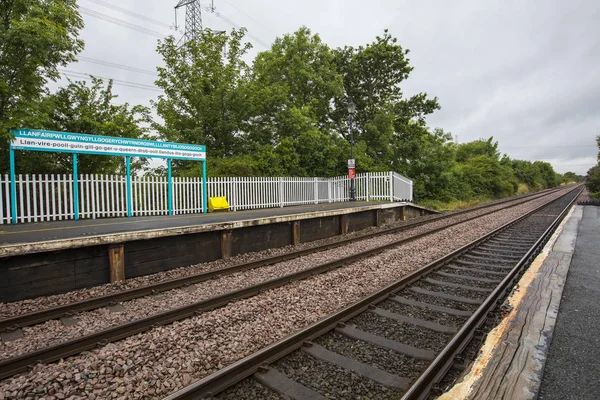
(351, 168)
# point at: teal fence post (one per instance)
(75, 189)
(169, 186)
(204, 187)
(129, 200)
(13, 188)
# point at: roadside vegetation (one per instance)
(593, 177)
(285, 113)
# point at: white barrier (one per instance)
(50, 197)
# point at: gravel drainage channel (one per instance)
(341, 356)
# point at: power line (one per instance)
(119, 66)
(545, 147)
(131, 13)
(251, 17)
(121, 22)
(82, 75)
(235, 25)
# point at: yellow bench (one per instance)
(218, 204)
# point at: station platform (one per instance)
(39, 259)
(547, 346)
(18, 234)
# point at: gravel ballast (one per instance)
(45, 302)
(167, 358)
(54, 332)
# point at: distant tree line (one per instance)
(286, 113)
(593, 176)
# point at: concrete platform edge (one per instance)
(61, 244)
(524, 344)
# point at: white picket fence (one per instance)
(50, 197)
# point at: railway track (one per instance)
(400, 341)
(37, 317)
(20, 363)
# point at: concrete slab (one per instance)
(116, 308)
(12, 335)
(567, 239)
(69, 321)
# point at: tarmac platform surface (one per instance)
(572, 370)
(69, 229)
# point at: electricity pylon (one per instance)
(193, 19)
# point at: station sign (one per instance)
(80, 143)
(351, 173)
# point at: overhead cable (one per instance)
(235, 25)
(120, 22)
(251, 17)
(86, 76)
(119, 66)
(130, 13)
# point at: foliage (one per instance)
(82, 108)
(286, 113)
(202, 103)
(36, 37)
(593, 176)
(593, 181)
(571, 177)
(373, 75)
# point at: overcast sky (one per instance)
(525, 72)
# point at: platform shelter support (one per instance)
(75, 188)
(169, 187)
(128, 188)
(13, 188)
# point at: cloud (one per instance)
(524, 72)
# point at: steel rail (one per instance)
(421, 388)
(70, 309)
(230, 375)
(9, 367)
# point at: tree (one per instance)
(430, 164)
(291, 88)
(82, 108)
(593, 176)
(79, 107)
(547, 173)
(202, 103)
(593, 181)
(487, 175)
(571, 177)
(36, 37)
(373, 75)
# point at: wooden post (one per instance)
(296, 233)
(116, 258)
(378, 218)
(344, 224)
(226, 244)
